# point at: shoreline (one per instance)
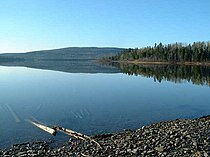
(155, 62)
(180, 137)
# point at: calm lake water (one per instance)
(90, 103)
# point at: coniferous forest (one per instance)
(178, 52)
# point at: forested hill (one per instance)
(72, 59)
(64, 53)
(178, 52)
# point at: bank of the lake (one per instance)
(180, 137)
(105, 61)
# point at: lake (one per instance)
(90, 103)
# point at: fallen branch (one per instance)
(69, 132)
(45, 128)
(76, 134)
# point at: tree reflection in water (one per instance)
(199, 75)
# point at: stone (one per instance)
(197, 154)
(159, 149)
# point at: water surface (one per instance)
(90, 103)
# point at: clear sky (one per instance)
(27, 25)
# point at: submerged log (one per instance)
(16, 118)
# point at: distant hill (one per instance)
(72, 59)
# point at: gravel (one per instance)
(180, 137)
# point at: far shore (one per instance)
(155, 62)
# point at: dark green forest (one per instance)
(199, 75)
(178, 52)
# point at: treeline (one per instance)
(178, 52)
(176, 73)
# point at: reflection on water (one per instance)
(90, 103)
(199, 75)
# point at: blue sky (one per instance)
(27, 25)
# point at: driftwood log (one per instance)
(53, 131)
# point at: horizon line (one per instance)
(48, 49)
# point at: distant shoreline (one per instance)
(155, 62)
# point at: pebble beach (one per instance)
(180, 137)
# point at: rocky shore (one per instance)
(181, 137)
